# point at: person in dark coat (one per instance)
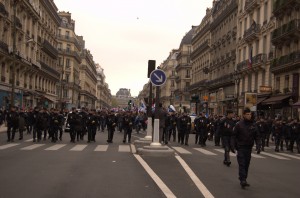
(22, 123)
(111, 121)
(12, 119)
(244, 134)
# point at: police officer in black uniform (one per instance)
(128, 121)
(295, 135)
(171, 123)
(244, 134)
(92, 122)
(184, 127)
(201, 124)
(111, 121)
(55, 123)
(263, 130)
(12, 123)
(226, 128)
(42, 120)
(277, 134)
(72, 122)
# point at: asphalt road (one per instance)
(111, 170)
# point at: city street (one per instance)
(99, 169)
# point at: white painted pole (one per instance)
(156, 134)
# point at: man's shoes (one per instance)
(227, 163)
(244, 184)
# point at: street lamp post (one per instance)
(13, 72)
(237, 78)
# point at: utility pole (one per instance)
(13, 71)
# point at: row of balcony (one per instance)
(286, 61)
(70, 53)
(250, 5)
(3, 10)
(225, 13)
(200, 49)
(49, 49)
(221, 81)
(286, 32)
(280, 6)
(256, 60)
(252, 33)
(3, 46)
(50, 70)
(69, 39)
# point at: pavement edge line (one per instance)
(163, 187)
(205, 192)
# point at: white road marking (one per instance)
(205, 192)
(34, 146)
(78, 147)
(133, 149)
(8, 146)
(257, 156)
(29, 140)
(288, 155)
(222, 151)
(124, 148)
(181, 150)
(55, 147)
(206, 152)
(101, 148)
(163, 187)
(274, 156)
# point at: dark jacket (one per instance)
(245, 133)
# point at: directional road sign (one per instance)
(158, 77)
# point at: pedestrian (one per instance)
(92, 123)
(184, 127)
(226, 128)
(128, 121)
(22, 123)
(111, 122)
(12, 123)
(244, 134)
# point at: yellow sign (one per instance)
(205, 98)
(250, 99)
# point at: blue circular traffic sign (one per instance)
(158, 77)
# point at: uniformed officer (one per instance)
(111, 121)
(92, 123)
(295, 135)
(12, 123)
(244, 134)
(42, 120)
(277, 134)
(128, 121)
(55, 123)
(72, 122)
(226, 128)
(263, 130)
(184, 127)
(201, 124)
(171, 123)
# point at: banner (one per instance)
(251, 101)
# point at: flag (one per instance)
(171, 108)
(250, 58)
(142, 107)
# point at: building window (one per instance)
(67, 62)
(266, 11)
(67, 34)
(68, 48)
(67, 78)
(188, 74)
(277, 83)
(287, 82)
(60, 61)
(172, 83)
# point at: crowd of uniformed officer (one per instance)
(44, 123)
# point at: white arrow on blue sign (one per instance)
(158, 77)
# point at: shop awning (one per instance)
(275, 100)
(296, 105)
(259, 100)
(49, 99)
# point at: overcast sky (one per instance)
(123, 35)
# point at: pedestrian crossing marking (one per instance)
(181, 150)
(274, 156)
(29, 140)
(124, 148)
(206, 152)
(55, 147)
(31, 147)
(291, 156)
(257, 156)
(8, 146)
(222, 151)
(78, 147)
(101, 148)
